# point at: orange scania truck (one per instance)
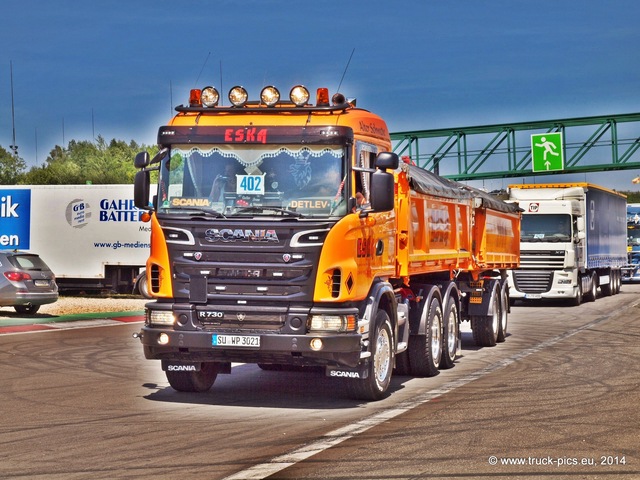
(285, 233)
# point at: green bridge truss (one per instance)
(591, 144)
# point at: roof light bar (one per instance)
(270, 96)
(238, 96)
(210, 97)
(299, 95)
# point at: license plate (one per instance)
(252, 341)
(533, 296)
(41, 283)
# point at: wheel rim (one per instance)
(435, 337)
(382, 360)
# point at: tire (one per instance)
(486, 327)
(504, 315)
(27, 309)
(450, 336)
(425, 351)
(618, 281)
(142, 286)
(403, 367)
(591, 295)
(380, 368)
(194, 381)
(579, 297)
(609, 289)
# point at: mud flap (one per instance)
(480, 304)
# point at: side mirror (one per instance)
(382, 190)
(387, 160)
(141, 189)
(141, 160)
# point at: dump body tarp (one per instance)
(428, 183)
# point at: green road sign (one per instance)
(547, 152)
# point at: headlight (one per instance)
(332, 323)
(299, 95)
(270, 96)
(210, 97)
(238, 96)
(161, 317)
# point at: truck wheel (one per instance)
(450, 337)
(591, 295)
(504, 315)
(375, 386)
(425, 351)
(578, 299)
(194, 381)
(403, 366)
(485, 327)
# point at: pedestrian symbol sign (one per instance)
(547, 152)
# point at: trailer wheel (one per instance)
(504, 315)
(609, 289)
(425, 351)
(485, 327)
(450, 337)
(375, 386)
(194, 381)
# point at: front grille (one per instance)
(225, 267)
(542, 259)
(533, 281)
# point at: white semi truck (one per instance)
(572, 241)
(90, 235)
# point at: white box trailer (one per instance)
(572, 241)
(90, 235)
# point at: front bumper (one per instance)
(286, 349)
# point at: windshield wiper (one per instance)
(259, 209)
(200, 212)
(208, 213)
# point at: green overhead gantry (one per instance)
(590, 144)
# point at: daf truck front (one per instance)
(572, 241)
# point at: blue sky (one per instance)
(113, 68)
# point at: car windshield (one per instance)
(291, 181)
(545, 228)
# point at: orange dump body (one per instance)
(447, 226)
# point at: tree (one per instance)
(11, 168)
(98, 162)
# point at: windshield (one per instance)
(545, 228)
(235, 180)
(633, 234)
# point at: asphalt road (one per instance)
(558, 399)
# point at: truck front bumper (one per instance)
(286, 349)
